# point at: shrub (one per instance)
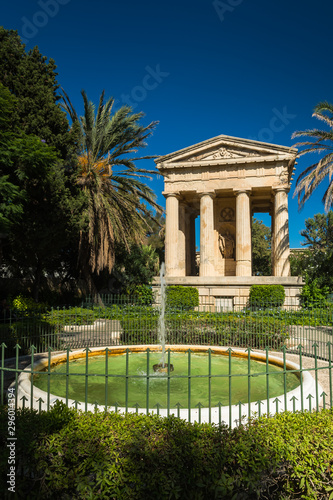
(26, 305)
(143, 294)
(67, 454)
(186, 327)
(139, 329)
(312, 294)
(266, 295)
(28, 331)
(72, 316)
(182, 297)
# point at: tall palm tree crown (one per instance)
(322, 142)
(116, 196)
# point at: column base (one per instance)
(243, 268)
(207, 270)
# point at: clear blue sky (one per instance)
(201, 68)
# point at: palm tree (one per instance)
(116, 196)
(322, 142)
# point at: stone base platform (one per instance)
(232, 292)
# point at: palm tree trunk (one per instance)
(92, 287)
(36, 283)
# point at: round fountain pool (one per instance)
(207, 384)
(135, 383)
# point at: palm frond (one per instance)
(116, 202)
(319, 112)
(315, 174)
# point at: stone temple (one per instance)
(224, 181)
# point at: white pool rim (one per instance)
(291, 401)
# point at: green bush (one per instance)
(182, 297)
(139, 329)
(313, 295)
(72, 316)
(27, 305)
(186, 327)
(142, 294)
(266, 295)
(67, 454)
(27, 332)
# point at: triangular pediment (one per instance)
(226, 149)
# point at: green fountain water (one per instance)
(109, 380)
(156, 378)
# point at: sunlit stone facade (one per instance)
(225, 180)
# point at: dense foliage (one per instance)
(66, 454)
(133, 268)
(261, 249)
(70, 193)
(182, 297)
(39, 204)
(254, 327)
(315, 262)
(32, 79)
(241, 330)
(266, 295)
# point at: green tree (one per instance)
(135, 267)
(117, 199)
(32, 79)
(316, 262)
(156, 234)
(261, 249)
(321, 141)
(36, 238)
(39, 202)
(10, 195)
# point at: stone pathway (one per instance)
(101, 332)
(308, 363)
(307, 336)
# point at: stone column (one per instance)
(190, 243)
(281, 233)
(193, 247)
(207, 267)
(272, 236)
(171, 234)
(182, 240)
(243, 233)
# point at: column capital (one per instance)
(238, 191)
(278, 189)
(168, 195)
(207, 193)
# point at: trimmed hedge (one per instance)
(266, 295)
(182, 297)
(239, 330)
(67, 454)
